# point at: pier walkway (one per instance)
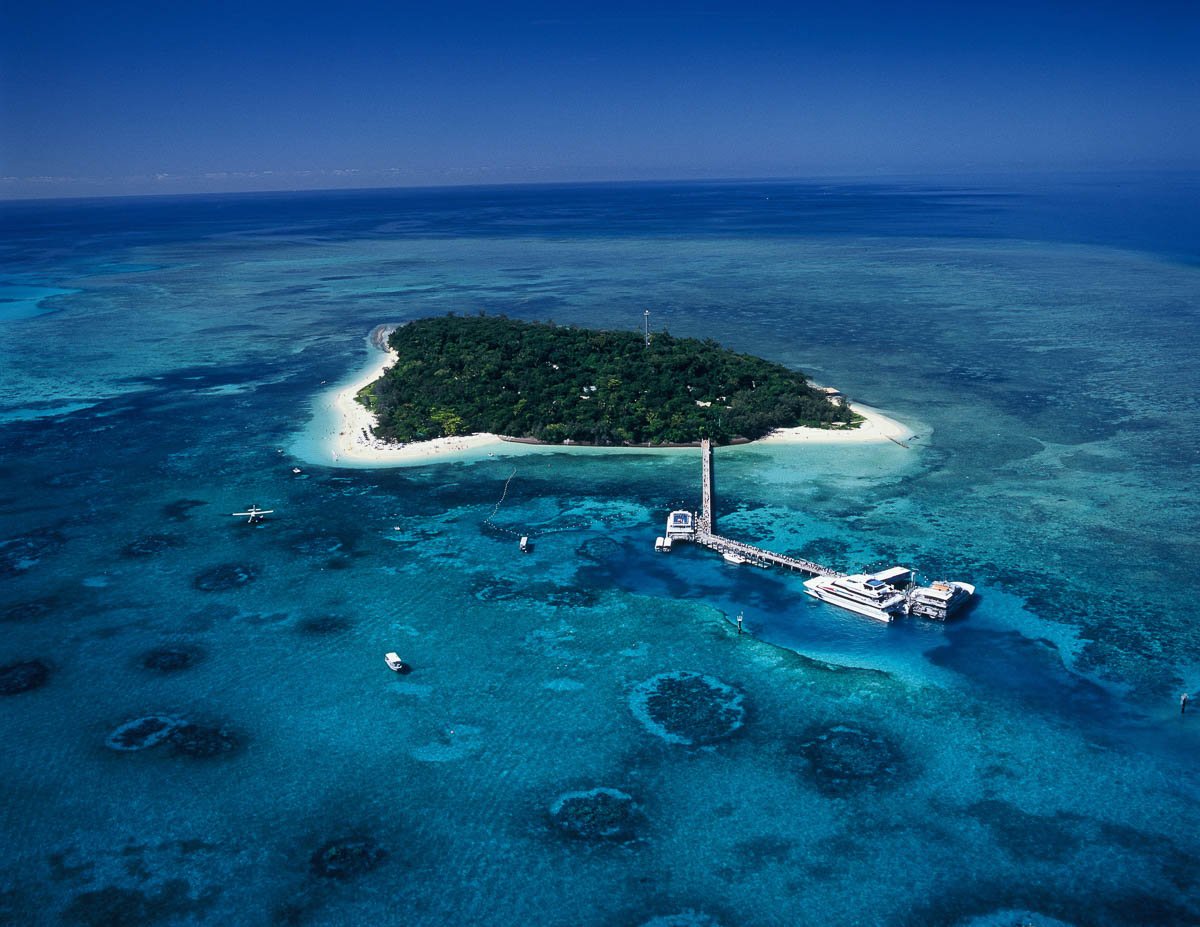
(707, 538)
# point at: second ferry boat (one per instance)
(890, 593)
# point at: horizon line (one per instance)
(958, 173)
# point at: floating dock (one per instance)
(683, 526)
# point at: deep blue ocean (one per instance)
(197, 723)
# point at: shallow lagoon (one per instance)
(1026, 762)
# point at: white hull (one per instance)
(941, 609)
(850, 605)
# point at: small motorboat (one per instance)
(731, 557)
(525, 546)
(394, 662)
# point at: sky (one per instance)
(174, 97)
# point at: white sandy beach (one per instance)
(877, 427)
(346, 430)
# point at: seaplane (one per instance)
(253, 515)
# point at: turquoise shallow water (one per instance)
(583, 737)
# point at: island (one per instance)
(537, 381)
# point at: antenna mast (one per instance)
(646, 315)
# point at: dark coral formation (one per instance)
(502, 589)
(1013, 918)
(142, 733)
(320, 544)
(346, 858)
(202, 742)
(600, 550)
(830, 551)
(170, 659)
(597, 814)
(25, 551)
(187, 738)
(841, 759)
(150, 544)
(1034, 838)
(178, 510)
(16, 678)
(32, 610)
(688, 708)
(495, 589)
(682, 919)
(225, 576)
(323, 625)
(115, 906)
(572, 597)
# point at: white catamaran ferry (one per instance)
(876, 595)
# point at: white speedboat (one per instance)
(394, 662)
(736, 559)
(876, 595)
(940, 599)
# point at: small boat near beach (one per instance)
(395, 664)
(731, 557)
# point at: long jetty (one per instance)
(706, 537)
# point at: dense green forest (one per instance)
(463, 374)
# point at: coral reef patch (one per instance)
(600, 550)
(323, 625)
(170, 659)
(150, 544)
(502, 589)
(346, 858)
(596, 814)
(840, 759)
(1029, 837)
(25, 551)
(202, 742)
(179, 509)
(116, 906)
(142, 733)
(1012, 918)
(31, 610)
(688, 708)
(225, 576)
(682, 919)
(319, 544)
(24, 676)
